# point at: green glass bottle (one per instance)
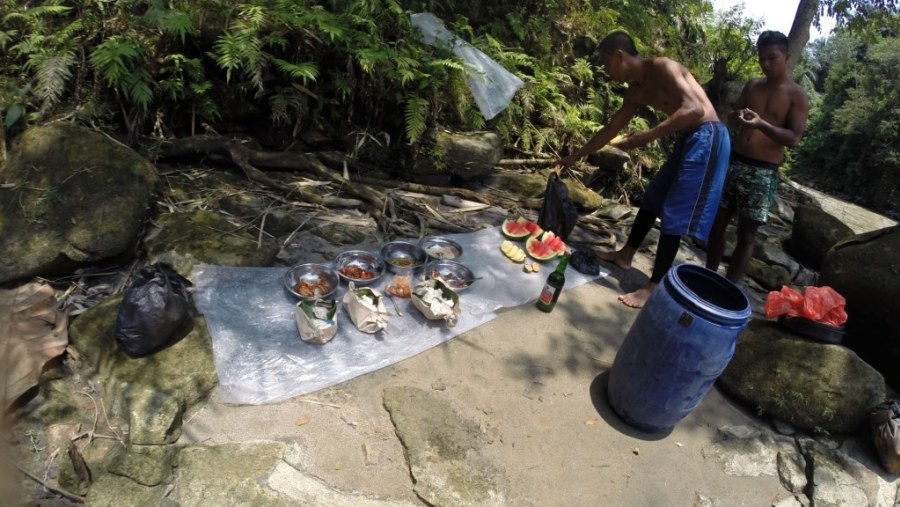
(554, 285)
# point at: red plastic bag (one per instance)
(787, 301)
(820, 304)
(825, 305)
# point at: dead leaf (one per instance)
(590, 422)
(302, 420)
(32, 332)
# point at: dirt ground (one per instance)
(536, 385)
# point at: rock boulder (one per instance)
(76, 197)
(864, 269)
(811, 385)
(814, 233)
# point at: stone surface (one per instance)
(811, 385)
(469, 154)
(443, 450)
(865, 269)
(814, 233)
(231, 474)
(185, 366)
(792, 471)
(148, 465)
(116, 491)
(183, 239)
(769, 277)
(832, 485)
(608, 160)
(154, 415)
(747, 452)
(79, 197)
(771, 252)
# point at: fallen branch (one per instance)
(54, 489)
(515, 162)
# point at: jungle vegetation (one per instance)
(357, 70)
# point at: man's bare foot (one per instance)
(638, 298)
(619, 258)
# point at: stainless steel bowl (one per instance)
(360, 259)
(456, 275)
(402, 256)
(438, 248)
(312, 275)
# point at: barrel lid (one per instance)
(708, 294)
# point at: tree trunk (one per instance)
(799, 36)
(2, 141)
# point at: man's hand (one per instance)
(748, 118)
(632, 140)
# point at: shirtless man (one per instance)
(685, 193)
(771, 114)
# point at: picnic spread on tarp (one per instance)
(260, 357)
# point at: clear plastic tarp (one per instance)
(260, 357)
(492, 86)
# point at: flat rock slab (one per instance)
(443, 451)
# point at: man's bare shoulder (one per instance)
(664, 64)
(796, 91)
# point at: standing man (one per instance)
(771, 114)
(685, 193)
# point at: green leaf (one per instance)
(13, 114)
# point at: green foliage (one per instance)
(162, 66)
(853, 144)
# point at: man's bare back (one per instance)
(657, 91)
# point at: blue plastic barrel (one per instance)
(679, 344)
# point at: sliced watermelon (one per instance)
(553, 241)
(519, 229)
(539, 250)
(533, 228)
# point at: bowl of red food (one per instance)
(311, 281)
(360, 267)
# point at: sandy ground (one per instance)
(536, 385)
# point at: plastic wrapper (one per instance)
(316, 320)
(437, 301)
(492, 86)
(884, 421)
(260, 358)
(366, 309)
(819, 304)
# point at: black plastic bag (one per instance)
(558, 213)
(585, 261)
(884, 420)
(152, 309)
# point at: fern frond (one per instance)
(326, 22)
(177, 24)
(306, 71)
(286, 104)
(416, 113)
(226, 54)
(114, 57)
(52, 73)
(448, 64)
(138, 89)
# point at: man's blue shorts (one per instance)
(685, 193)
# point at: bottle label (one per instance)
(547, 294)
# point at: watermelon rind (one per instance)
(538, 250)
